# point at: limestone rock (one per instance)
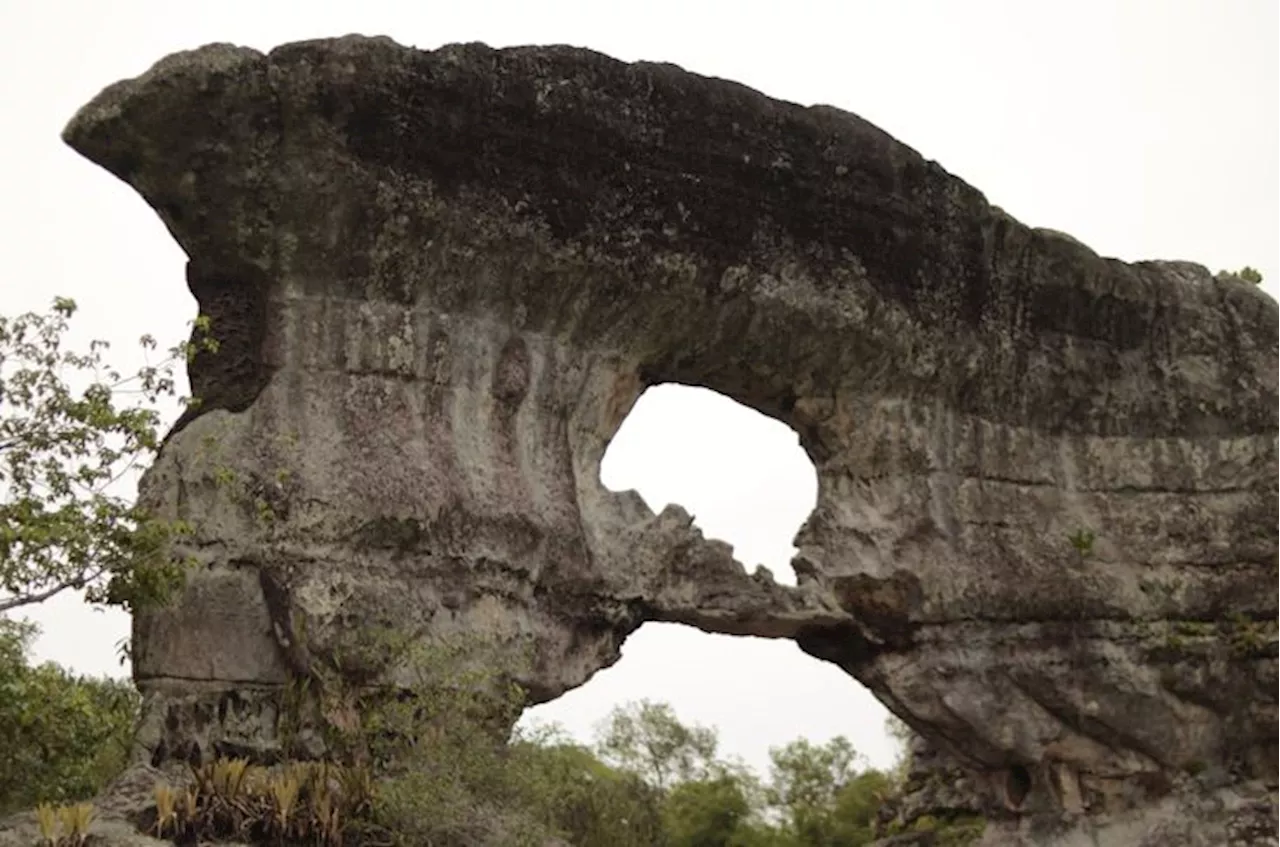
(440, 281)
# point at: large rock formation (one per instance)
(441, 279)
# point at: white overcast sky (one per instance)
(1145, 129)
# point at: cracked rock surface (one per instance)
(440, 281)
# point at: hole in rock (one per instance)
(1017, 785)
(747, 481)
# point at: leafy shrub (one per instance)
(564, 787)
(62, 736)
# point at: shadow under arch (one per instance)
(747, 481)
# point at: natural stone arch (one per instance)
(441, 279)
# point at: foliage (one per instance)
(580, 798)
(853, 820)
(415, 766)
(710, 812)
(1082, 541)
(442, 777)
(435, 742)
(1249, 274)
(808, 775)
(647, 738)
(64, 450)
(807, 781)
(64, 826)
(62, 737)
(816, 797)
(424, 766)
(297, 803)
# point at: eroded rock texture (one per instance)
(441, 279)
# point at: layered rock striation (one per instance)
(1045, 531)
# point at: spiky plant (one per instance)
(166, 810)
(76, 821)
(284, 800)
(47, 822)
(356, 785)
(326, 817)
(188, 809)
(304, 773)
(202, 777)
(228, 778)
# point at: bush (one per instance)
(62, 736)
(571, 793)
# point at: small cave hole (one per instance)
(1017, 785)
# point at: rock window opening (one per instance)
(747, 481)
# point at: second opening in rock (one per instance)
(746, 480)
(1017, 785)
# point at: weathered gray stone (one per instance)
(441, 279)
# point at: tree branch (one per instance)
(17, 602)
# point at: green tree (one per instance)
(705, 801)
(62, 737)
(648, 739)
(808, 782)
(854, 817)
(807, 775)
(63, 452)
(71, 430)
(582, 799)
(711, 812)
